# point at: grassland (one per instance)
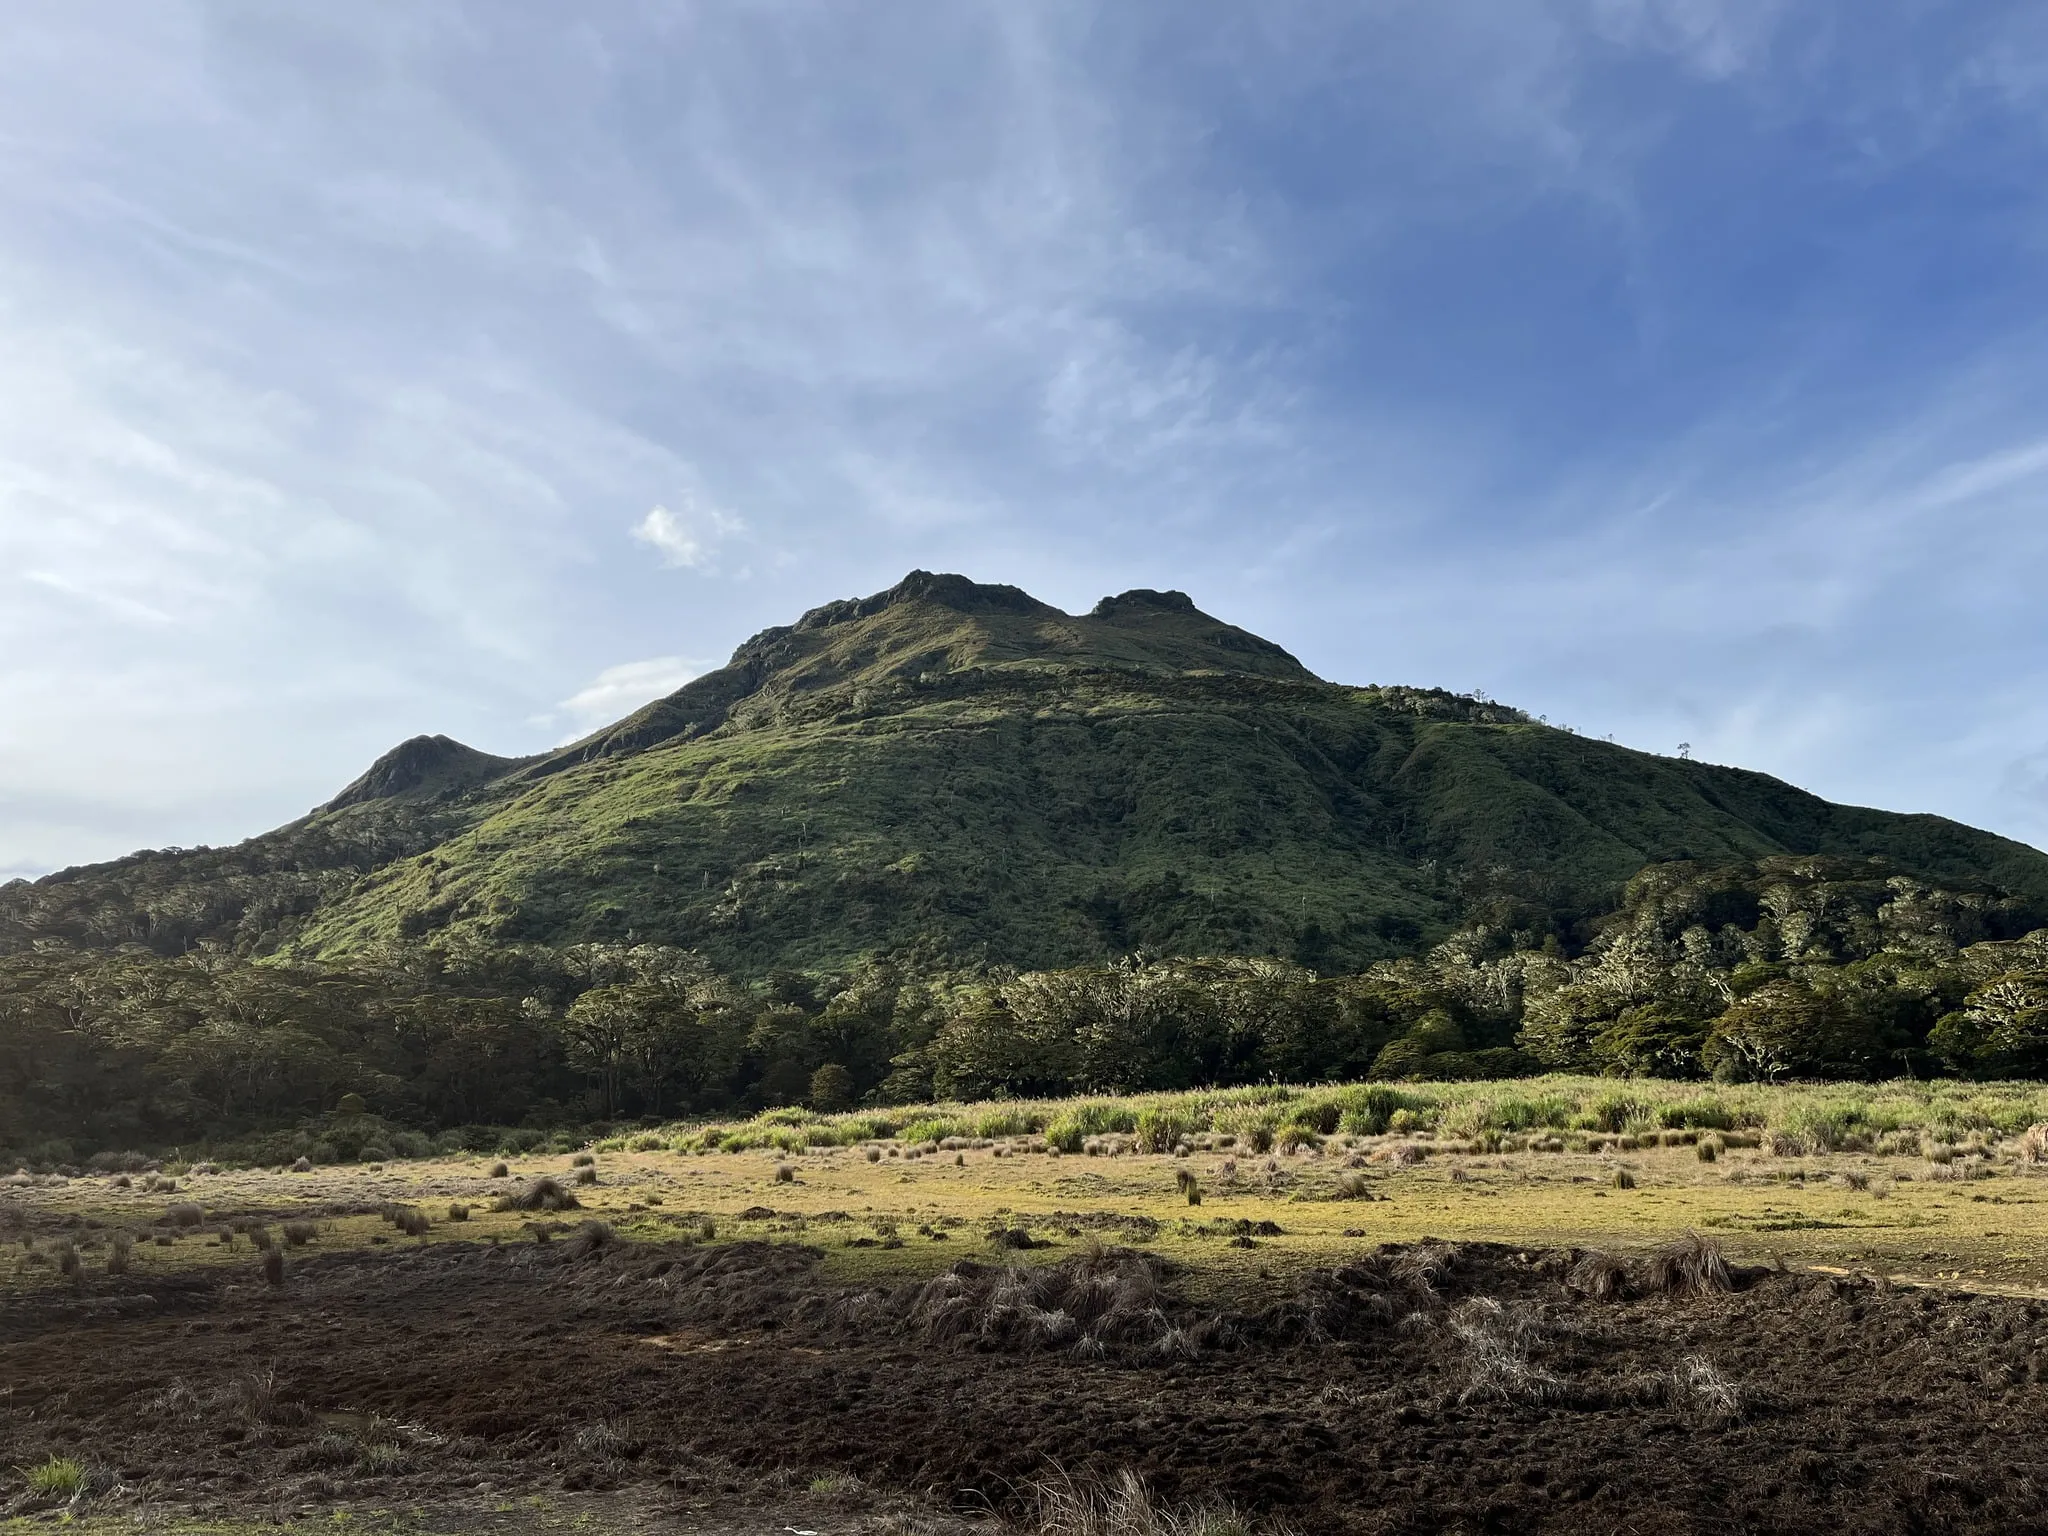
(1933, 1183)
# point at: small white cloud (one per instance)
(687, 537)
(620, 690)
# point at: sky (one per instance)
(1674, 369)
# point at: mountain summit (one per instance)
(958, 773)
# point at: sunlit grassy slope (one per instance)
(956, 772)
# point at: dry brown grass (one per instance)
(1124, 1506)
(1691, 1266)
(543, 1194)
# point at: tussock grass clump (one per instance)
(586, 1175)
(583, 1160)
(500, 1171)
(409, 1219)
(273, 1267)
(785, 1173)
(1696, 1384)
(457, 1211)
(185, 1214)
(58, 1477)
(1497, 1346)
(1707, 1149)
(300, 1233)
(590, 1237)
(120, 1252)
(1124, 1506)
(1691, 1266)
(543, 1194)
(383, 1458)
(1623, 1179)
(261, 1402)
(303, 1165)
(1601, 1275)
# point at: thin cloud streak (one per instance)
(1664, 365)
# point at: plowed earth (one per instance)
(1420, 1388)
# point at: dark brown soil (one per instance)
(1420, 1389)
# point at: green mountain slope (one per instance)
(957, 772)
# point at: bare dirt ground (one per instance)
(743, 1385)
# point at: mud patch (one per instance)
(1421, 1387)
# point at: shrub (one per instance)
(1318, 1117)
(1159, 1127)
(1697, 1115)
(1293, 1137)
(59, 1477)
(1006, 1121)
(1613, 1113)
(647, 1142)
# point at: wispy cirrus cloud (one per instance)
(1665, 365)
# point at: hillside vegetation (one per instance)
(951, 774)
(948, 842)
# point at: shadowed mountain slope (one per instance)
(953, 772)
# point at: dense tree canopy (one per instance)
(1779, 969)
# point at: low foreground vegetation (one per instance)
(1376, 1308)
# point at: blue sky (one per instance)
(1676, 369)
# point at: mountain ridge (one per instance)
(959, 772)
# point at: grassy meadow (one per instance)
(1941, 1183)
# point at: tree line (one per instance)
(1780, 969)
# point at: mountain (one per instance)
(954, 772)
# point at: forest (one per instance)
(1786, 968)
